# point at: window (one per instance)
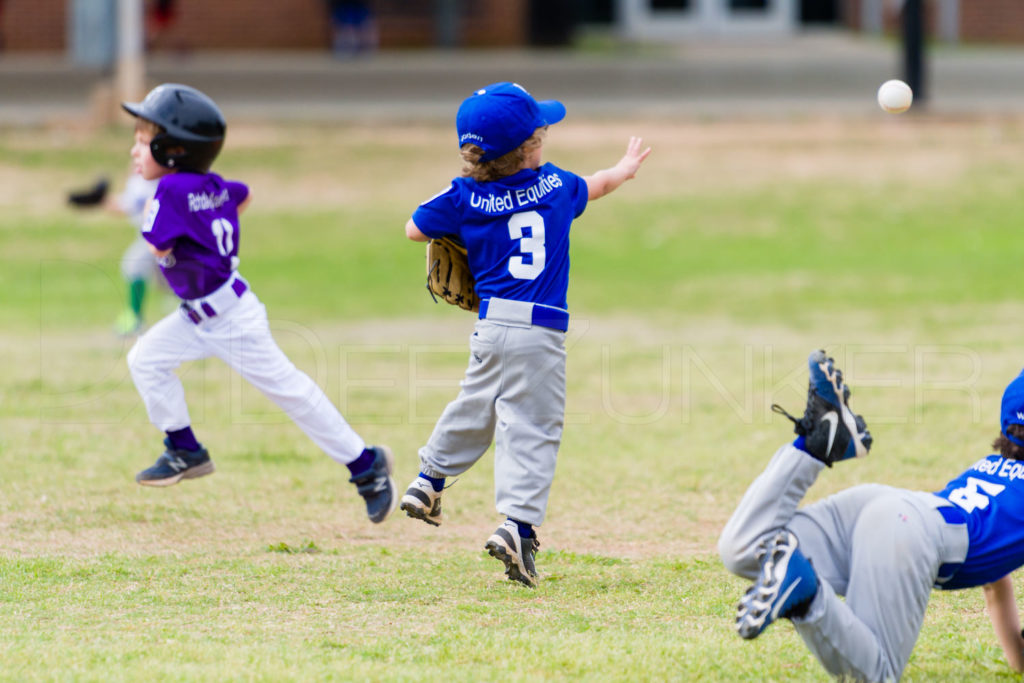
(746, 5)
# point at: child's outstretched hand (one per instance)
(603, 182)
(631, 160)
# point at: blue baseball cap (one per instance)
(501, 116)
(1012, 410)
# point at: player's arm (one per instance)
(159, 253)
(1002, 610)
(413, 233)
(245, 203)
(607, 180)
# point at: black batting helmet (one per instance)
(193, 126)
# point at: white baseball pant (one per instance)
(240, 336)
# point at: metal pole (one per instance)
(447, 22)
(131, 66)
(913, 48)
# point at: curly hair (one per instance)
(1007, 448)
(503, 166)
(147, 127)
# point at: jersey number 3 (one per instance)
(532, 245)
(976, 495)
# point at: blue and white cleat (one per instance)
(785, 587)
(830, 429)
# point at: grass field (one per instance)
(697, 291)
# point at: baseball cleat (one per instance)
(174, 465)
(785, 586)
(515, 552)
(421, 501)
(830, 429)
(377, 486)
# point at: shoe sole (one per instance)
(845, 414)
(416, 512)
(389, 459)
(498, 550)
(755, 627)
(191, 473)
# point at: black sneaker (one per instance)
(515, 552)
(174, 465)
(377, 486)
(830, 429)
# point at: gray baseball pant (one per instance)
(879, 546)
(513, 394)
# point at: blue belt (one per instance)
(545, 316)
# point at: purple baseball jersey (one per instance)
(195, 215)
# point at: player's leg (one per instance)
(465, 429)
(895, 549)
(768, 505)
(152, 362)
(827, 432)
(531, 414)
(241, 337)
(136, 268)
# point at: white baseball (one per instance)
(895, 96)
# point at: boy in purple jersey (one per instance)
(513, 212)
(883, 548)
(192, 227)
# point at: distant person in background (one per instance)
(353, 28)
(159, 21)
(138, 266)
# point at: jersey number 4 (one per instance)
(532, 245)
(975, 496)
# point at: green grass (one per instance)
(697, 291)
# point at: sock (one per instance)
(438, 484)
(525, 530)
(800, 444)
(363, 462)
(183, 439)
(799, 610)
(136, 293)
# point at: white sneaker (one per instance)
(421, 501)
(515, 552)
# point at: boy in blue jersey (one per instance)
(883, 548)
(512, 212)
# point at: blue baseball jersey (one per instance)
(991, 496)
(515, 230)
(195, 215)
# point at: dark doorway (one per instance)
(819, 12)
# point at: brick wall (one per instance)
(39, 25)
(981, 21)
(33, 25)
(992, 21)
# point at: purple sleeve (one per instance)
(162, 227)
(441, 214)
(238, 192)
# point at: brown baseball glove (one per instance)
(448, 274)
